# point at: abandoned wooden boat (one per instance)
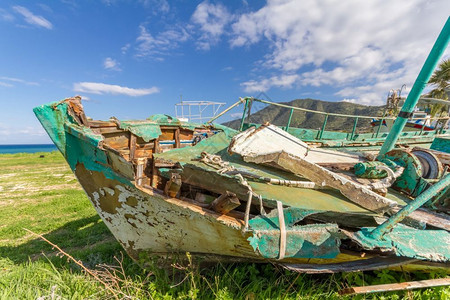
(161, 190)
(263, 193)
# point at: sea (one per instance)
(31, 148)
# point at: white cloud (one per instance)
(6, 16)
(212, 20)
(363, 48)
(263, 85)
(159, 46)
(33, 19)
(111, 64)
(103, 88)
(349, 100)
(157, 5)
(5, 84)
(125, 48)
(18, 80)
(235, 115)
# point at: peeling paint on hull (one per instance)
(148, 222)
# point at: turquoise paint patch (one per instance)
(433, 245)
(164, 119)
(270, 221)
(441, 144)
(147, 131)
(85, 151)
(77, 144)
(307, 241)
(52, 117)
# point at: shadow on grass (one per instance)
(87, 239)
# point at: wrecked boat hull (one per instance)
(148, 222)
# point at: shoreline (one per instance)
(27, 148)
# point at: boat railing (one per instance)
(248, 100)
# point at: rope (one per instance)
(282, 230)
(261, 207)
(216, 162)
(247, 209)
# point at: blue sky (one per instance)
(132, 59)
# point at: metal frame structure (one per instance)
(200, 108)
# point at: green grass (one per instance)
(42, 195)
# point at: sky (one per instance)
(132, 59)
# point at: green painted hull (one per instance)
(148, 221)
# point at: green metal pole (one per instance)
(243, 114)
(323, 127)
(413, 97)
(412, 206)
(289, 119)
(354, 129)
(379, 127)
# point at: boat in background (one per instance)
(420, 120)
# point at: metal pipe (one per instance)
(319, 137)
(289, 119)
(413, 97)
(379, 127)
(241, 100)
(423, 198)
(313, 111)
(354, 129)
(241, 126)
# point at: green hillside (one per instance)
(280, 115)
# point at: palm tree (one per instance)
(441, 80)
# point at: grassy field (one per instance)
(41, 194)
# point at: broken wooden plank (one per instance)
(355, 192)
(177, 138)
(101, 124)
(225, 203)
(132, 146)
(396, 286)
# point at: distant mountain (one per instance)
(280, 115)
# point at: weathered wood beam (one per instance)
(132, 146)
(177, 138)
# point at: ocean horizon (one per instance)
(27, 148)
